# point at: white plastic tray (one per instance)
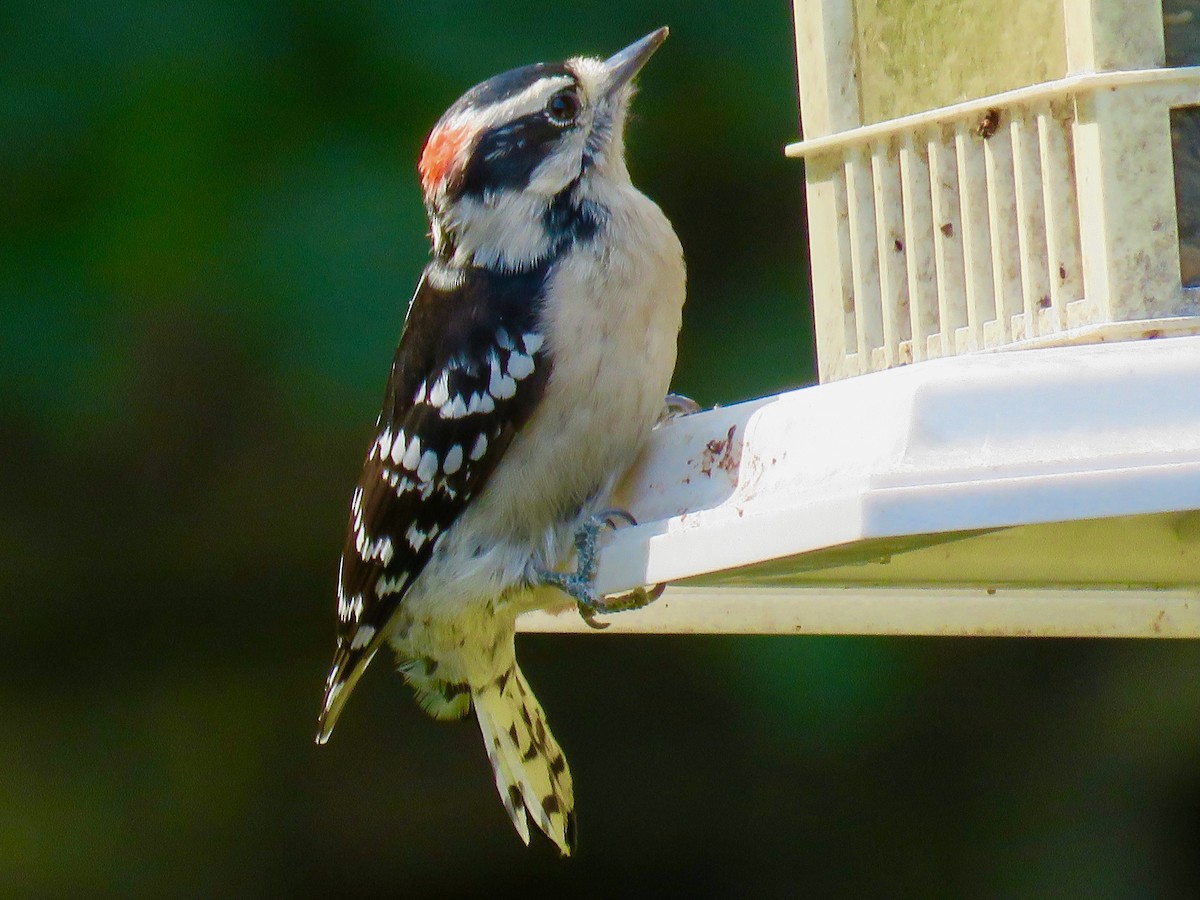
(855, 477)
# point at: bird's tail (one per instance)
(531, 771)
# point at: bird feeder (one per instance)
(1003, 228)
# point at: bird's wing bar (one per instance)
(471, 367)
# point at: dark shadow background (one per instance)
(209, 230)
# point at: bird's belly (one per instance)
(613, 348)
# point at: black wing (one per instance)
(470, 369)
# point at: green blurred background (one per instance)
(209, 230)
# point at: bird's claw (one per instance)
(676, 405)
(613, 517)
(588, 614)
(635, 599)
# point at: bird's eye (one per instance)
(563, 107)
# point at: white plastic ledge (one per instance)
(940, 448)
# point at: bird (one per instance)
(532, 366)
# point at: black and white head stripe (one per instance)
(497, 134)
(470, 369)
(533, 129)
(508, 91)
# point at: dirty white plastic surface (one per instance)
(880, 466)
(934, 612)
(1042, 215)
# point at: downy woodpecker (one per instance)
(534, 362)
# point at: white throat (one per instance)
(505, 230)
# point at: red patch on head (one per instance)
(440, 153)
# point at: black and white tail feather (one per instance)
(530, 768)
(531, 369)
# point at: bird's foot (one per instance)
(580, 585)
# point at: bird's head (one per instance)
(519, 143)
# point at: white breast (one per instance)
(612, 322)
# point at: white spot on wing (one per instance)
(428, 466)
(398, 448)
(416, 537)
(440, 392)
(480, 447)
(385, 585)
(362, 637)
(533, 342)
(343, 614)
(520, 365)
(503, 387)
(455, 409)
(453, 461)
(412, 455)
(380, 549)
(349, 608)
(500, 386)
(481, 403)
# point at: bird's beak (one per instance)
(623, 66)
